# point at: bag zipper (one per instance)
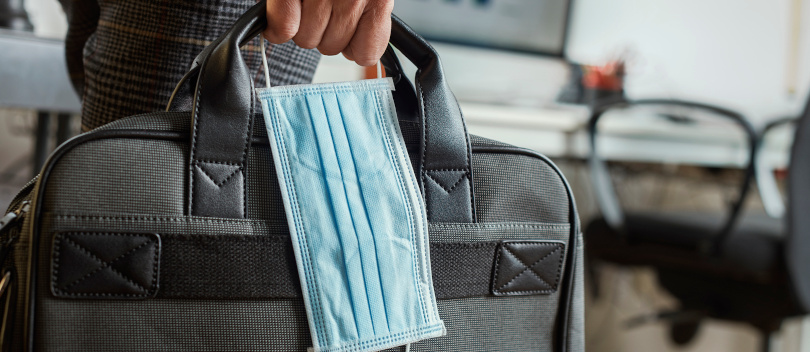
(26, 188)
(12, 218)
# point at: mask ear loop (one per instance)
(264, 63)
(379, 70)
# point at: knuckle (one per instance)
(282, 32)
(305, 43)
(352, 6)
(329, 49)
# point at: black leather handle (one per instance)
(222, 112)
(223, 106)
(446, 172)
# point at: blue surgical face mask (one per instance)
(355, 213)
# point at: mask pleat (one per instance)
(392, 238)
(293, 144)
(348, 157)
(342, 230)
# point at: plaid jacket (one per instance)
(126, 56)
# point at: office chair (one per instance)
(737, 267)
(769, 192)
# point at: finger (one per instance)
(315, 16)
(347, 53)
(341, 27)
(283, 19)
(372, 34)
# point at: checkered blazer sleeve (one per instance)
(125, 57)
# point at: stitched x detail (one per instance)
(527, 267)
(460, 177)
(105, 265)
(212, 170)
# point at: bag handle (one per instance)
(222, 106)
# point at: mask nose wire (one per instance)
(267, 70)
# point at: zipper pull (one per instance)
(5, 223)
(14, 216)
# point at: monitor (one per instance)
(535, 26)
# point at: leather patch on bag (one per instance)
(527, 267)
(105, 265)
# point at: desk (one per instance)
(559, 131)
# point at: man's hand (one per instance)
(357, 28)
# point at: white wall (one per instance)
(730, 52)
(47, 17)
(734, 53)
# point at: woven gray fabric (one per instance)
(515, 324)
(478, 140)
(264, 194)
(541, 197)
(164, 224)
(501, 231)
(136, 171)
(474, 324)
(173, 325)
(164, 121)
(125, 57)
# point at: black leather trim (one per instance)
(567, 282)
(222, 119)
(445, 142)
(404, 94)
(105, 265)
(527, 267)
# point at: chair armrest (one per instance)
(766, 182)
(606, 195)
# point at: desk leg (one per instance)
(41, 140)
(63, 132)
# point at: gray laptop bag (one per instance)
(121, 244)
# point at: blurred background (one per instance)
(687, 95)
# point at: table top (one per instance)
(559, 131)
(33, 74)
